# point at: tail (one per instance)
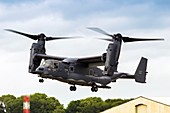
(140, 74)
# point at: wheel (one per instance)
(94, 89)
(73, 88)
(41, 80)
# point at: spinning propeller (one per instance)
(38, 37)
(118, 36)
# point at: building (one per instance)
(143, 105)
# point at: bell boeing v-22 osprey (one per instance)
(83, 71)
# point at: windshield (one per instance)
(46, 63)
(50, 63)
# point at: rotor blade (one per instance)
(99, 31)
(34, 37)
(127, 39)
(58, 38)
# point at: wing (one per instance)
(91, 61)
(49, 57)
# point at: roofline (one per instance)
(150, 100)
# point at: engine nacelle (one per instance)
(111, 59)
(35, 62)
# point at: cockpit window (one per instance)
(43, 63)
(51, 64)
(46, 63)
(56, 66)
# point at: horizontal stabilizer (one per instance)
(140, 74)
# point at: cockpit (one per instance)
(50, 64)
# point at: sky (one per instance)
(141, 19)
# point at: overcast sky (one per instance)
(144, 19)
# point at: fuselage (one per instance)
(72, 73)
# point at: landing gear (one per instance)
(73, 88)
(41, 80)
(94, 88)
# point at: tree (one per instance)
(59, 109)
(93, 105)
(17, 105)
(9, 101)
(116, 102)
(88, 105)
(73, 106)
(40, 103)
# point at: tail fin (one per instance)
(140, 74)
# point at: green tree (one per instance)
(59, 109)
(93, 105)
(116, 102)
(88, 105)
(17, 105)
(40, 103)
(9, 101)
(73, 106)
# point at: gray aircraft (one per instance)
(83, 71)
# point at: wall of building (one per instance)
(140, 105)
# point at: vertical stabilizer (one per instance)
(140, 74)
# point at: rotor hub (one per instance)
(42, 35)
